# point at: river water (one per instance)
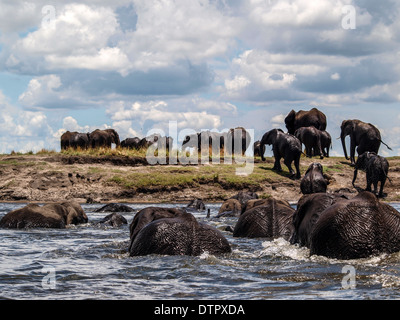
(91, 262)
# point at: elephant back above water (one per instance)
(169, 231)
(313, 180)
(314, 117)
(270, 219)
(342, 228)
(53, 215)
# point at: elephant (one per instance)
(114, 207)
(104, 138)
(363, 136)
(161, 143)
(236, 204)
(311, 138)
(230, 208)
(340, 228)
(52, 215)
(286, 146)
(114, 220)
(196, 204)
(257, 152)
(314, 117)
(236, 141)
(170, 231)
(270, 219)
(376, 168)
(67, 139)
(326, 142)
(204, 139)
(309, 209)
(313, 180)
(131, 143)
(81, 140)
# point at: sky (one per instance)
(205, 64)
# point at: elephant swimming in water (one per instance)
(53, 215)
(334, 226)
(313, 180)
(171, 231)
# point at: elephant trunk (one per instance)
(342, 137)
(262, 150)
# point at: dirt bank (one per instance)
(56, 177)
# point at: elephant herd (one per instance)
(308, 128)
(96, 139)
(329, 224)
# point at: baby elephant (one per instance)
(376, 168)
(314, 180)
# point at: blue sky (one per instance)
(207, 64)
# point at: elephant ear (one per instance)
(289, 121)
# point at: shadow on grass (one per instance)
(283, 173)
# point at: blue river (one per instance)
(91, 262)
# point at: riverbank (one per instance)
(56, 176)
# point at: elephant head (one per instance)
(114, 137)
(290, 121)
(269, 138)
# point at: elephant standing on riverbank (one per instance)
(284, 146)
(67, 139)
(104, 138)
(170, 231)
(257, 151)
(363, 136)
(237, 141)
(314, 117)
(326, 142)
(131, 143)
(81, 140)
(311, 138)
(376, 168)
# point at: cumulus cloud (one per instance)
(196, 114)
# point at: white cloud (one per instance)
(335, 76)
(159, 113)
